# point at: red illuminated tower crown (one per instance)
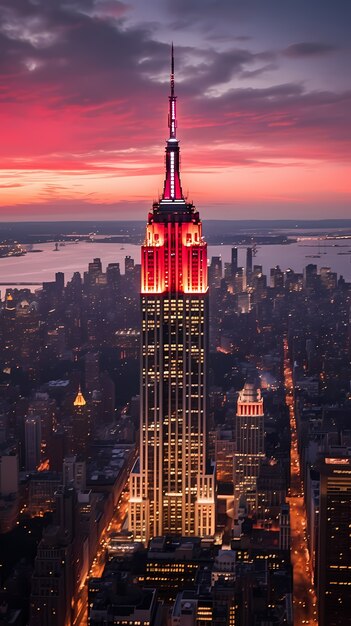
(174, 254)
(171, 491)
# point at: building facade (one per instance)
(172, 487)
(81, 426)
(333, 572)
(249, 428)
(32, 432)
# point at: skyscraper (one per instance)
(334, 542)
(249, 427)
(32, 433)
(248, 265)
(215, 272)
(92, 372)
(234, 263)
(81, 425)
(172, 487)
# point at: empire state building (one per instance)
(172, 487)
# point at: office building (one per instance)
(334, 542)
(92, 371)
(248, 265)
(234, 263)
(215, 272)
(81, 425)
(249, 428)
(172, 488)
(9, 488)
(32, 434)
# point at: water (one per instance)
(70, 258)
(295, 256)
(38, 267)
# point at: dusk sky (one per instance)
(264, 107)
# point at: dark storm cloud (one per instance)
(64, 54)
(280, 23)
(76, 32)
(309, 49)
(219, 9)
(203, 8)
(82, 57)
(285, 121)
(216, 68)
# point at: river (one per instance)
(38, 267)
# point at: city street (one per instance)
(98, 564)
(305, 610)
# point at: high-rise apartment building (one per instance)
(249, 428)
(171, 486)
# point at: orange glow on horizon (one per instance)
(237, 186)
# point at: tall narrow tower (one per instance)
(171, 486)
(249, 444)
(81, 425)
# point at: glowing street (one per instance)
(305, 611)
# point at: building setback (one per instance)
(249, 454)
(172, 488)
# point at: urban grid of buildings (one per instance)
(175, 440)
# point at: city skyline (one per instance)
(264, 101)
(175, 445)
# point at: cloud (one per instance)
(110, 8)
(238, 208)
(77, 52)
(83, 97)
(309, 49)
(259, 71)
(286, 119)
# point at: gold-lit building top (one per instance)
(80, 400)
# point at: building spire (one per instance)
(172, 188)
(172, 71)
(172, 121)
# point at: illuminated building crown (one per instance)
(80, 400)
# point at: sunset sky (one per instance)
(264, 107)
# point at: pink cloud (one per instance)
(83, 111)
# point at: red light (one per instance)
(174, 258)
